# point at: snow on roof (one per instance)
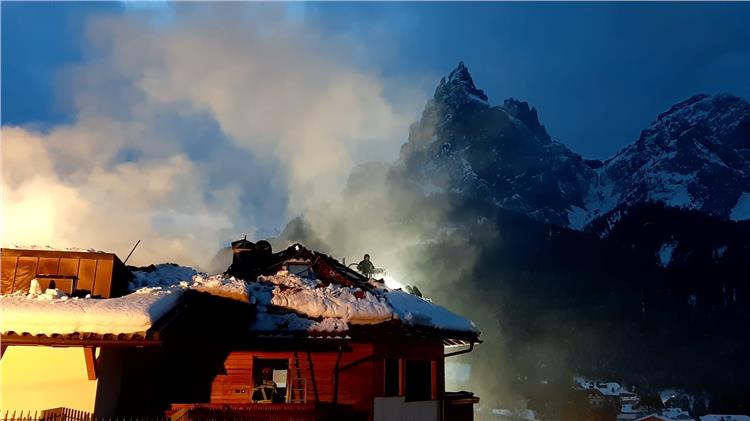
(675, 414)
(285, 302)
(606, 388)
(168, 275)
(653, 416)
(309, 297)
(153, 294)
(165, 274)
(416, 311)
(713, 417)
(50, 248)
(54, 313)
(299, 301)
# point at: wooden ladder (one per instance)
(297, 392)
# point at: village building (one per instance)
(287, 335)
(629, 413)
(653, 417)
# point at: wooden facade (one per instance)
(343, 379)
(353, 375)
(337, 376)
(76, 273)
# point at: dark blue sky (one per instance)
(598, 73)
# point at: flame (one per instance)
(392, 283)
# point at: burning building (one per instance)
(287, 335)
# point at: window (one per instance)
(269, 380)
(392, 380)
(418, 375)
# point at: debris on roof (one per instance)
(293, 291)
(310, 298)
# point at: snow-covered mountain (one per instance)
(502, 154)
(696, 155)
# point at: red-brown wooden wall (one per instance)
(360, 377)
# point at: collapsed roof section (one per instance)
(296, 293)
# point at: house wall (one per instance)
(98, 274)
(356, 383)
(38, 377)
(154, 379)
(109, 381)
(431, 350)
(359, 380)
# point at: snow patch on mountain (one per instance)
(741, 209)
(666, 253)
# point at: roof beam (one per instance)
(89, 353)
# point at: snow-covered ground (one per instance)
(713, 417)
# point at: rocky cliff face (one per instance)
(696, 155)
(497, 153)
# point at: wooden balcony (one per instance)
(263, 412)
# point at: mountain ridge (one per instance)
(695, 155)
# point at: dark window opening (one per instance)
(418, 375)
(392, 380)
(269, 380)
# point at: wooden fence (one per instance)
(265, 412)
(67, 414)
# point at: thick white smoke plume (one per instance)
(219, 120)
(191, 130)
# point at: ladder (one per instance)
(297, 387)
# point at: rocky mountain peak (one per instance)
(695, 155)
(723, 118)
(520, 110)
(459, 87)
(496, 154)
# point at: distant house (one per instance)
(628, 413)
(292, 334)
(599, 399)
(676, 414)
(667, 414)
(653, 417)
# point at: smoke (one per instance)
(428, 240)
(222, 120)
(193, 129)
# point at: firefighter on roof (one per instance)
(365, 267)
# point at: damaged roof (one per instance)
(295, 293)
